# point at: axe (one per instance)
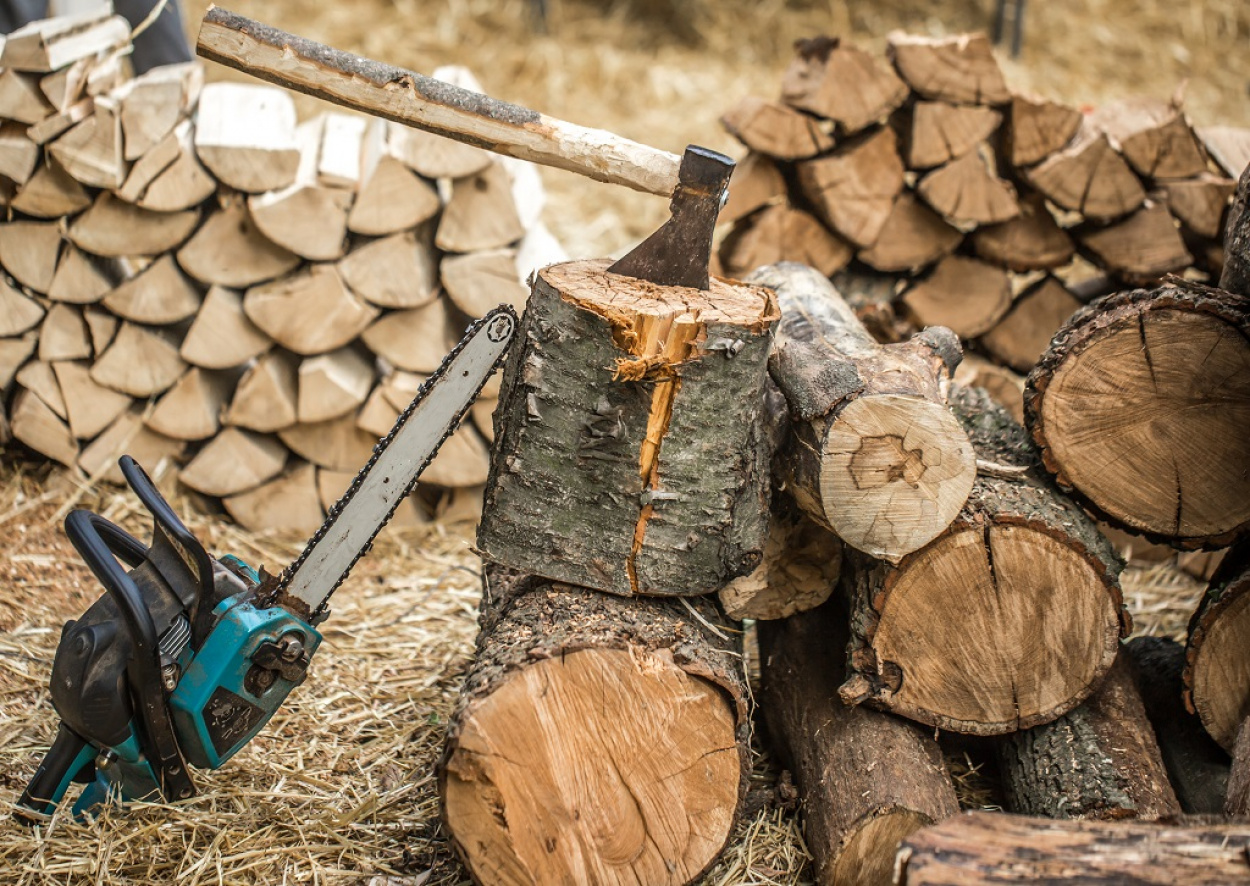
(697, 182)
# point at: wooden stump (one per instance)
(876, 457)
(1100, 760)
(985, 848)
(628, 455)
(1197, 767)
(1217, 658)
(597, 739)
(1141, 405)
(984, 659)
(866, 780)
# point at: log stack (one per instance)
(938, 195)
(192, 276)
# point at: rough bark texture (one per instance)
(1140, 405)
(1197, 766)
(616, 786)
(1099, 760)
(628, 453)
(1217, 657)
(866, 779)
(984, 848)
(1238, 800)
(875, 455)
(1236, 274)
(953, 636)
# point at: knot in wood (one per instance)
(880, 461)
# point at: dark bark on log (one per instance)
(978, 661)
(1217, 657)
(1197, 766)
(866, 780)
(1098, 761)
(597, 738)
(1236, 274)
(1140, 406)
(628, 453)
(987, 848)
(875, 457)
(1237, 804)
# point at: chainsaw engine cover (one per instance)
(242, 674)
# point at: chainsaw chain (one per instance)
(274, 595)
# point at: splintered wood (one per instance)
(194, 245)
(629, 456)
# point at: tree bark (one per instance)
(597, 738)
(875, 457)
(978, 661)
(986, 848)
(1236, 274)
(1099, 760)
(866, 780)
(1217, 656)
(1140, 406)
(628, 455)
(1197, 767)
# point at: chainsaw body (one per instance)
(176, 664)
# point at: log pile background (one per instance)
(234, 298)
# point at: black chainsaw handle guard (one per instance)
(101, 544)
(59, 766)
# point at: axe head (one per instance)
(678, 253)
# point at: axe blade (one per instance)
(678, 253)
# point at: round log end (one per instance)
(867, 856)
(1219, 669)
(895, 472)
(1148, 421)
(603, 765)
(1001, 628)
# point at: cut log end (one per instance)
(1217, 668)
(1147, 417)
(896, 471)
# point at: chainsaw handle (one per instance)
(69, 753)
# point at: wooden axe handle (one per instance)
(424, 103)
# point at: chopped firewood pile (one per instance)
(196, 279)
(924, 546)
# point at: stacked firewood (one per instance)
(940, 196)
(193, 277)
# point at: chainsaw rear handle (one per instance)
(65, 761)
(101, 543)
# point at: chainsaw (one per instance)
(187, 656)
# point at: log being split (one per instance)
(876, 456)
(628, 455)
(1197, 767)
(866, 780)
(1140, 405)
(597, 739)
(1099, 760)
(987, 848)
(1007, 620)
(1217, 657)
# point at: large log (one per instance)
(1099, 760)
(866, 780)
(979, 661)
(984, 848)
(1217, 656)
(597, 739)
(629, 455)
(1197, 766)
(876, 456)
(1140, 405)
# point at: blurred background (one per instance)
(663, 71)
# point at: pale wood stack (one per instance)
(191, 275)
(938, 195)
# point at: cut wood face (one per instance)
(1146, 416)
(854, 188)
(1221, 671)
(896, 470)
(776, 130)
(1002, 627)
(779, 233)
(816, 82)
(1022, 336)
(959, 69)
(913, 236)
(549, 783)
(863, 861)
(962, 294)
(289, 504)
